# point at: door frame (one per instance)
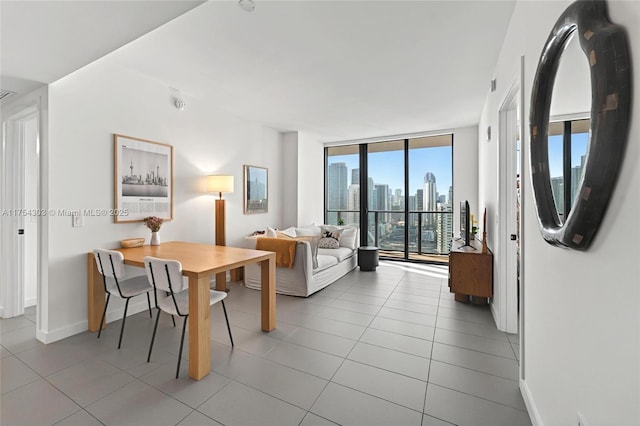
(506, 312)
(12, 158)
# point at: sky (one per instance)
(579, 142)
(388, 167)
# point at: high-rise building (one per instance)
(353, 203)
(557, 188)
(576, 175)
(337, 183)
(444, 229)
(430, 200)
(355, 177)
(450, 197)
(381, 199)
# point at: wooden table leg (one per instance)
(95, 293)
(221, 281)
(268, 292)
(199, 328)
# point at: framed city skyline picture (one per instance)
(256, 189)
(143, 179)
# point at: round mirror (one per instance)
(606, 49)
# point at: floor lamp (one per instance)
(220, 184)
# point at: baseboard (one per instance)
(534, 415)
(62, 332)
(30, 302)
(82, 326)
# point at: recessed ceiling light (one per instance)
(247, 5)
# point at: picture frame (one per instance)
(143, 179)
(256, 189)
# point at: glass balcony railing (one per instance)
(429, 236)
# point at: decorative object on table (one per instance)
(220, 184)
(132, 242)
(143, 179)
(474, 226)
(606, 49)
(154, 223)
(256, 189)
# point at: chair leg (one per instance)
(104, 313)
(149, 303)
(124, 318)
(224, 308)
(153, 336)
(184, 328)
(172, 317)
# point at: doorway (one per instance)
(508, 306)
(20, 211)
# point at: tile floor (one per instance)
(389, 347)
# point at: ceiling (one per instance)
(340, 70)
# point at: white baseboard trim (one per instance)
(534, 415)
(62, 332)
(30, 302)
(1, 311)
(82, 326)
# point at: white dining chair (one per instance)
(166, 276)
(111, 266)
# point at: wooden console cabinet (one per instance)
(470, 272)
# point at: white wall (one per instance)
(310, 180)
(290, 180)
(86, 108)
(582, 323)
(465, 174)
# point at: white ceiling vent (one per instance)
(5, 93)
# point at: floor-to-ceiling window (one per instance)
(342, 180)
(404, 188)
(430, 195)
(568, 142)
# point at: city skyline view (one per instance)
(388, 168)
(427, 226)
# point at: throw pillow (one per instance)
(349, 238)
(290, 232)
(328, 243)
(331, 232)
(271, 232)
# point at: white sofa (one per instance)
(303, 279)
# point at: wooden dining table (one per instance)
(199, 263)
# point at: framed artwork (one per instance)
(143, 179)
(256, 189)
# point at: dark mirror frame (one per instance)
(606, 47)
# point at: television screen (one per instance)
(464, 222)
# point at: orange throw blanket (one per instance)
(284, 248)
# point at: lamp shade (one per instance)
(219, 183)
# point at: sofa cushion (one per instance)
(340, 253)
(307, 232)
(325, 262)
